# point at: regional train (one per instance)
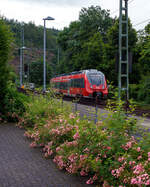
(85, 83)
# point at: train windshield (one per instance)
(96, 78)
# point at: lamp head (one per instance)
(48, 18)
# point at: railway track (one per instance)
(91, 102)
(86, 101)
(102, 104)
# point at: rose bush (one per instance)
(110, 153)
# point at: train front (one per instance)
(96, 84)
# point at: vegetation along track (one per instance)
(102, 104)
(90, 102)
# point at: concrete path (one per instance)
(22, 166)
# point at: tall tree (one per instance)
(5, 47)
(92, 55)
(36, 72)
(94, 19)
(144, 60)
(112, 48)
(76, 41)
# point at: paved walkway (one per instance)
(22, 166)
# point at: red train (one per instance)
(85, 83)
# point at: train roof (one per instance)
(79, 72)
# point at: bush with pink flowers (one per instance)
(110, 153)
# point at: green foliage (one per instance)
(94, 54)
(89, 42)
(82, 42)
(92, 42)
(141, 55)
(36, 72)
(144, 60)
(39, 109)
(33, 41)
(94, 19)
(112, 48)
(33, 35)
(133, 91)
(11, 102)
(14, 104)
(144, 89)
(113, 35)
(141, 92)
(5, 47)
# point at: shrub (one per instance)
(14, 101)
(141, 92)
(144, 89)
(5, 47)
(107, 152)
(133, 91)
(40, 109)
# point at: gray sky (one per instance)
(65, 11)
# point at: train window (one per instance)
(69, 83)
(72, 83)
(95, 79)
(77, 83)
(58, 85)
(63, 85)
(82, 83)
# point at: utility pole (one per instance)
(123, 76)
(20, 66)
(23, 53)
(44, 53)
(58, 56)
(22, 56)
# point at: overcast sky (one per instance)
(65, 11)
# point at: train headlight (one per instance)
(91, 86)
(103, 86)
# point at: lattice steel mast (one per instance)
(123, 77)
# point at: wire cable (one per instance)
(118, 9)
(114, 12)
(130, 1)
(141, 22)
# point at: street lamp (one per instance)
(44, 57)
(21, 64)
(21, 53)
(20, 67)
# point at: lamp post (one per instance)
(58, 56)
(21, 54)
(22, 64)
(44, 56)
(20, 67)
